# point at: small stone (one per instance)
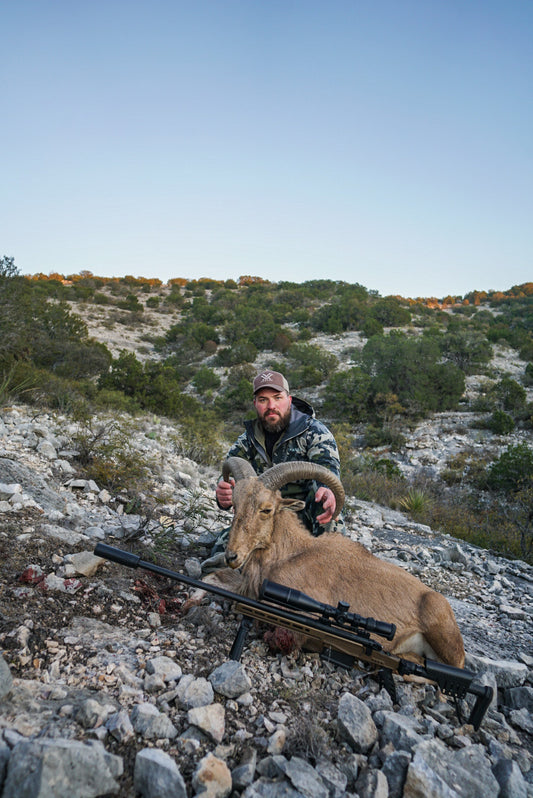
(212, 778)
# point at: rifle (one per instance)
(345, 635)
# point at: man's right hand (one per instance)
(224, 493)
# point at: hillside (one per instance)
(429, 442)
(430, 400)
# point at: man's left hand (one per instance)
(326, 496)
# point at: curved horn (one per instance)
(280, 474)
(238, 468)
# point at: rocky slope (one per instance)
(108, 688)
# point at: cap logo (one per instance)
(267, 376)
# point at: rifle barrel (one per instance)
(278, 614)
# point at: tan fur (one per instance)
(268, 541)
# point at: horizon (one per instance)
(387, 144)
(248, 279)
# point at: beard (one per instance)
(276, 423)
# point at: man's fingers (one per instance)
(327, 497)
(224, 492)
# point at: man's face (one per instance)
(273, 409)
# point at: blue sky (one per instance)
(382, 142)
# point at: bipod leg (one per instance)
(240, 638)
(458, 710)
(386, 680)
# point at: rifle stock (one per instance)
(345, 636)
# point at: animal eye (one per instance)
(265, 510)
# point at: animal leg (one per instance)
(441, 630)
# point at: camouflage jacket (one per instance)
(305, 438)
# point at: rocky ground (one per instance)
(108, 687)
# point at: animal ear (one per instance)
(292, 504)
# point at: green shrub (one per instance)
(305, 377)
(314, 357)
(512, 470)
(485, 521)
(241, 352)
(386, 435)
(467, 348)
(501, 423)
(510, 393)
(410, 368)
(526, 350)
(390, 313)
(489, 521)
(123, 470)
(372, 327)
(206, 380)
(345, 443)
(234, 402)
(7, 267)
(106, 452)
(85, 359)
(347, 311)
(368, 463)
(131, 303)
(116, 400)
(304, 334)
(388, 467)
(44, 333)
(347, 395)
(525, 415)
(53, 392)
(126, 374)
(368, 484)
(187, 334)
(483, 404)
(175, 298)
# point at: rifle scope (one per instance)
(288, 597)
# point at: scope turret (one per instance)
(289, 597)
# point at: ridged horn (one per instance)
(238, 468)
(280, 474)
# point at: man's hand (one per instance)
(224, 493)
(326, 496)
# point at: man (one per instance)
(286, 429)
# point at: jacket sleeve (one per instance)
(240, 448)
(322, 447)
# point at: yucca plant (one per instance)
(415, 502)
(13, 383)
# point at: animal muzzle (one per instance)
(232, 559)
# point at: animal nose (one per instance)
(231, 556)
